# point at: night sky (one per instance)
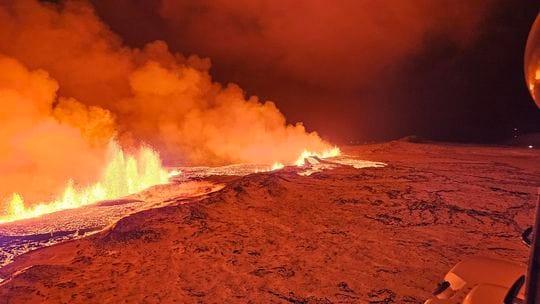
(358, 70)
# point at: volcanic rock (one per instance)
(343, 235)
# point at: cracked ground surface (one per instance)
(372, 235)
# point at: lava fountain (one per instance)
(335, 151)
(124, 174)
(62, 102)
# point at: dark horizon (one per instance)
(449, 86)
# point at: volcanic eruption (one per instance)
(143, 176)
(87, 118)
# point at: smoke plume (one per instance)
(68, 86)
(348, 59)
(42, 147)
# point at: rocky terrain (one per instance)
(22, 236)
(344, 235)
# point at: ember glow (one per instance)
(335, 151)
(124, 174)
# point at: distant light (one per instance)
(530, 146)
(174, 173)
(277, 166)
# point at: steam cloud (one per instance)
(68, 86)
(343, 58)
(41, 147)
(337, 45)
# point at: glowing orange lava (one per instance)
(124, 174)
(300, 161)
(277, 166)
(335, 151)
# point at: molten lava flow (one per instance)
(124, 174)
(335, 151)
(300, 161)
(277, 166)
(174, 173)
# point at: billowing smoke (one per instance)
(42, 147)
(343, 58)
(337, 45)
(68, 86)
